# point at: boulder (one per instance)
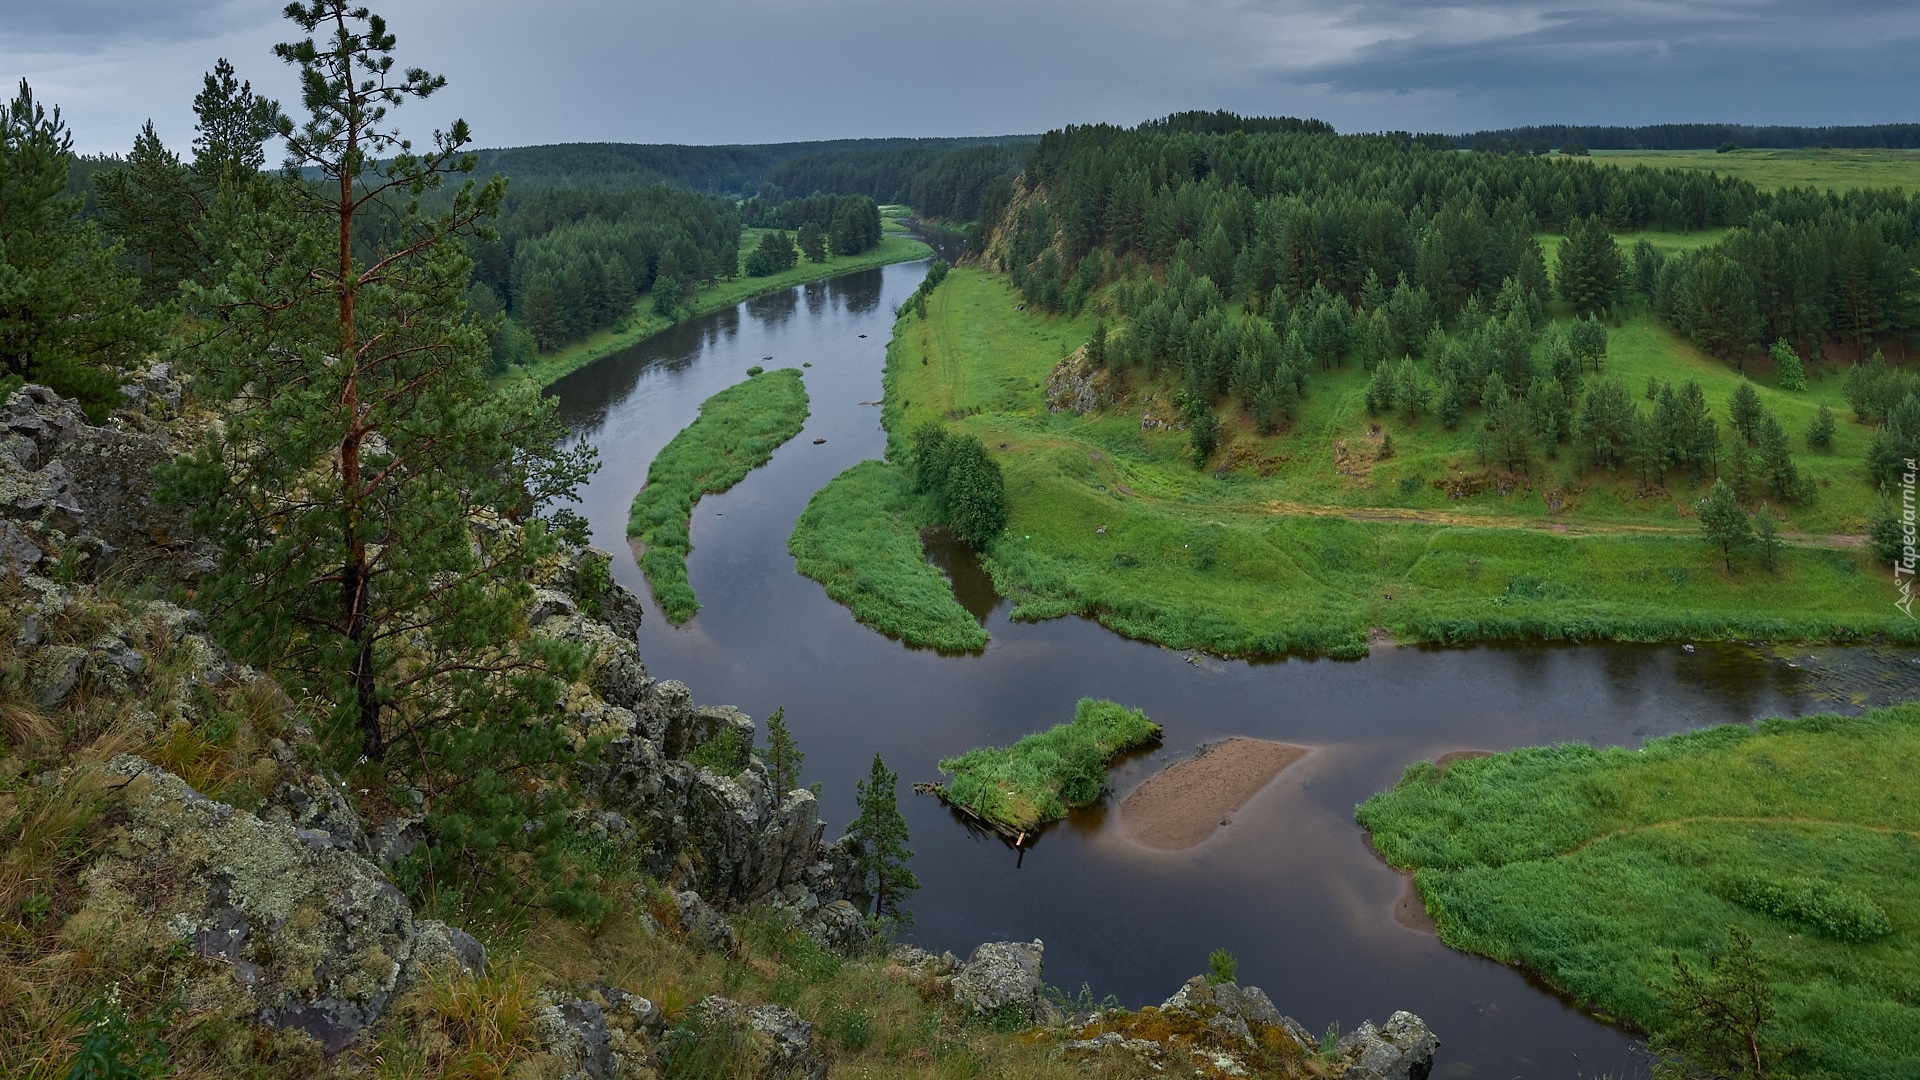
(703, 925)
(1401, 1050)
(780, 1043)
(286, 927)
(1002, 980)
(1241, 1014)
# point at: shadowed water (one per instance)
(1290, 886)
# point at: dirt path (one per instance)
(1187, 802)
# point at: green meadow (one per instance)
(1593, 867)
(860, 538)
(1304, 541)
(737, 432)
(1770, 170)
(643, 322)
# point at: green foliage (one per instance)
(1828, 909)
(737, 431)
(1589, 273)
(68, 317)
(1820, 430)
(774, 253)
(114, 1047)
(878, 838)
(1886, 533)
(1725, 524)
(969, 493)
(1038, 779)
(1221, 967)
(1723, 1017)
(1594, 866)
(726, 754)
(784, 757)
(1789, 373)
(859, 537)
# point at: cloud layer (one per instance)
(760, 70)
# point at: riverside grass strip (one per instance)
(1309, 538)
(737, 431)
(859, 537)
(1015, 790)
(1593, 867)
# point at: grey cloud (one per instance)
(86, 25)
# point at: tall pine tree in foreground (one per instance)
(879, 840)
(374, 500)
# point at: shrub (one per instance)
(1824, 907)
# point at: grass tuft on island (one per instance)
(860, 538)
(1014, 790)
(1595, 868)
(737, 431)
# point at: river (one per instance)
(1290, 887)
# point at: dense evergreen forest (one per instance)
(1288, 252)
(1540, 137)
(714, 170)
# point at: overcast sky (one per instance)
(719, 71)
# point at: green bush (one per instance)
(1221, 967)
(1824, 907)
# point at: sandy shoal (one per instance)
(1186, 802)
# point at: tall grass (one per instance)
(1593, 867)
(1019, 788)
(859, 538)
(737, 432)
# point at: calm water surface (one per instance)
(1290, 887)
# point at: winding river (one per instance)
(1290, 887)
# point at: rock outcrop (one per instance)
(301, 934)
(1002, 980)
(779, 1043)
(1076, 384)
(1401, 1050)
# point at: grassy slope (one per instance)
(1839, 170)
(644, 323)
(1593, 866)
(1017, 789)
(1306, 558)
(737, 431)
(859, 537)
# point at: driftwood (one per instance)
(1015, 836)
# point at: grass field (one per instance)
(1309, 539)
(1592, 867)
(860, 537)
(1017, 789)
(737, 432)
(643, 323)
(1770, 170)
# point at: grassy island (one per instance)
(1302, 540)
(1595, 867)
(737, 432)
(860, 537)
(1014, 790)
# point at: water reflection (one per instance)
(1289, 887)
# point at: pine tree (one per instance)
(373, 499)
(1723, 1017)
(879, 840)
(67, 313)
(783, 754)
(1766, 529)
(812, 242)
(1097, 344)
(1743, 411)
(1820, 431)
(1588, 270)
(1723, 522)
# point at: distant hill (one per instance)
(710, 169)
